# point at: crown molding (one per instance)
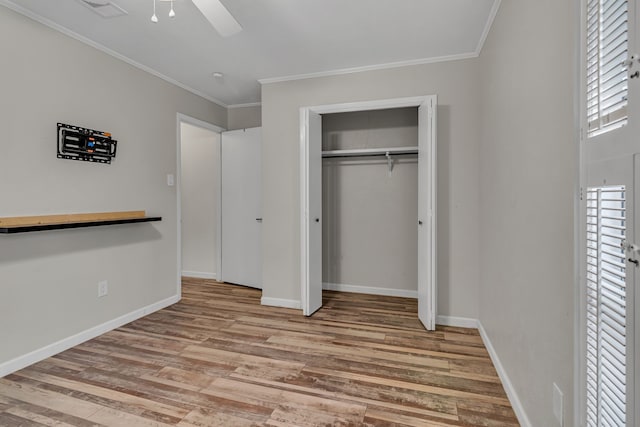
(353, 70)
(487, 27)
(248, 104)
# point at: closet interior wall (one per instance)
(370, 215)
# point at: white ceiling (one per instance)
(280, 38)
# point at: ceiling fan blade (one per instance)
(219, 16)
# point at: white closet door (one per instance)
(242, 207)
(427, 288)
(313, 215)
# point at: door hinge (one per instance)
(631, 250)
(581, 193)
(630, 247)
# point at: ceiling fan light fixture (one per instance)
(154, 17)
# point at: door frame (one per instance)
(305, 223)
(183, 118)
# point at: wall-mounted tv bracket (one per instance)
(76, 143)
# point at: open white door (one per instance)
(427, 289)
(241, 220)
(311, 158)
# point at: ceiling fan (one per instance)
(215, 12)
(221, 19)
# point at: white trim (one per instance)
(376, 67)
(523, 419)
(459, 322)
(248, 104)
(199, 123)
(178, 183)
(183, 118)
(405, 293)
(198, 274)
(304, 229)
(35, 356)
(220, 273)
(279, 302)
(67, 32)
(579, 215)
(380, 104)
(488, 25)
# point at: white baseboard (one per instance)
(278, 302)
(199, 274)
(523, 419)
(369, 290)
(459, 322)
(35, 356)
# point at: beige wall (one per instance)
(48, 280)
(456, 86)
(528, 171)
(244, 117)
(370, 216)
(200, 175)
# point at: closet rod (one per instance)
(370, 152)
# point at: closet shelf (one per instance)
(27, 224)
(370, 152)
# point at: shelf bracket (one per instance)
(389, 162)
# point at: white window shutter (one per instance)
(606, 307)
(607, 51)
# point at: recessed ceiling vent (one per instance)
(104, 8)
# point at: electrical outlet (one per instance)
(103, 288)
(557, 404)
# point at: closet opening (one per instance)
(360, 197)
(370, 202)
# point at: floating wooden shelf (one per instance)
(25, 224)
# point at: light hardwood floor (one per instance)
(219, 358)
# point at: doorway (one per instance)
(198, 198)
(311, 199)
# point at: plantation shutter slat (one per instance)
(606, 306)
(607, 49)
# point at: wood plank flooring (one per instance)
(219, 358)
